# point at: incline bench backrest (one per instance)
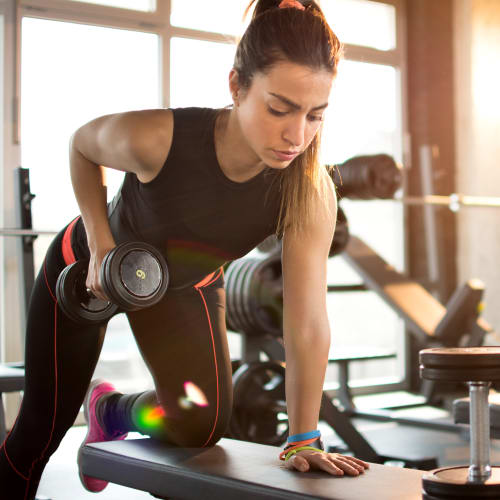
(424, 315)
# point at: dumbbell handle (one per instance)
(480, 468)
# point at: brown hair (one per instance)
(302, 37)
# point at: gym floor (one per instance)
(60, 480)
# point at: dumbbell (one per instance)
(272, 245)
(134, 275)
(478, 367)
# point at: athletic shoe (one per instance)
(95, 432)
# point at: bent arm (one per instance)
(136, 141)
(306, 329)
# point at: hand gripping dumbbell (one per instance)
(478, 366)
(134, 275)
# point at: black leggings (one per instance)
(183, 342)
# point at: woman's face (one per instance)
(282, 110)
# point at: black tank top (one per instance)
(191, 211)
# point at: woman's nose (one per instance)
(294, 133)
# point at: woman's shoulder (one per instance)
(194, 115)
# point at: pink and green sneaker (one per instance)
(95, 432)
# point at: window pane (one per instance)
(362, 115)
(219, 16)
(199, 73)
(361, 22)
(96, 71)
(363, 119)
(142, 5)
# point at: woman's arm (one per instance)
(136, 141)
(306, 333)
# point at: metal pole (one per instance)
(480, 468)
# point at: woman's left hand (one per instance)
(332, 463)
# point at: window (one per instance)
(362, 22)
(219, 16)
(204, 80)
(142, 5)
(96, 71)
(364, 117)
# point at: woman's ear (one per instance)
(234, 87)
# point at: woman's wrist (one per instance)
(303, 436)
(291, 449)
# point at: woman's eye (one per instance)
(316, 118)
(275, 112)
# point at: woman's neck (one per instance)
(236, 159)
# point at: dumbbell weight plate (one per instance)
(237, 306)
(465, 364)
(233, 296)
(263, 296)
(451, 483)
(134, 275)
(247, 302)
(341, 235)
(259, 400)
(228, 277)
(243, 321)
(78, 305)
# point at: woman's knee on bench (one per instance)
(187, 422)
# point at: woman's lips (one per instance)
(285, 155)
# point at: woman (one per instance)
(204, 186)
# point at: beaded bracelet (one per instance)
(300, 448)
(314, 443)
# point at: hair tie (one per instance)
(294, 4)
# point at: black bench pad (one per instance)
(235, 470)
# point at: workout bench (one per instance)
(235, 469)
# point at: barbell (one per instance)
(5, 231)
(454, 201)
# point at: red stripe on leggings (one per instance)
(197, 287)
(67, 250)
(10, 462)
(55, 377)
(208, 280)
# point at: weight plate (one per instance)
(244, 321)
(341, 235)
(141, 273)
(466, 364)
(231, 314)
(134, 275)
(259, 408)
(451, 483)
(264, 296)
(228, 276)
(247, 302)
(459, 357)
(464, 374)
(74, 300)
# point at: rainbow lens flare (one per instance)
(194, 394)
(151, 418)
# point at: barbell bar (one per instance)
(25, 232)
(454, 201)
